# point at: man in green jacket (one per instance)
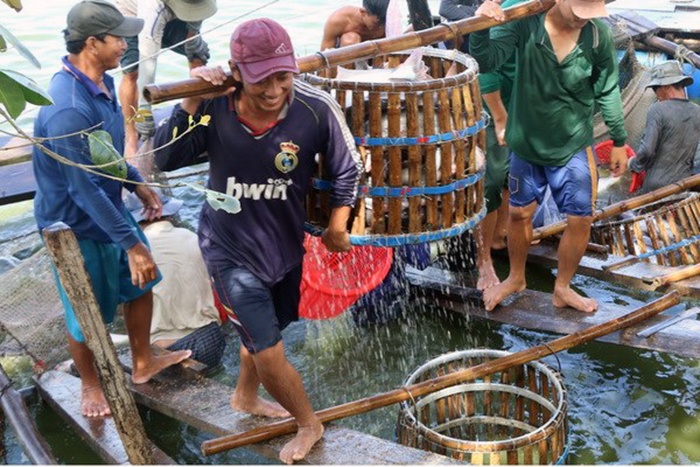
(566, 64)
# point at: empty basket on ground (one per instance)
(421, 139)
(667, 230)
(517, 416)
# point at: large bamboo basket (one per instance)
(421, 139)
(516, 416)
(661, 227)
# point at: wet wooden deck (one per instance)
(534, 310)
(638, 275)
(60, 390)
(204, 404)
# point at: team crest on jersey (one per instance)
(287, 160)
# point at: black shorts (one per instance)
(258, 312)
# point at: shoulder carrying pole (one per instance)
(155, 93)
(406, 393)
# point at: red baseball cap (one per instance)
(261, 47)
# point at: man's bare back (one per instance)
(350, 25)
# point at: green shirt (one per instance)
(503, 78)
(552, 106)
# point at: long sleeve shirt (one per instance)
(552, 106)
(91, 205)
(270, 174)
(671, 138)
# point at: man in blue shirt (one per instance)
(262, 140)
(114, 249)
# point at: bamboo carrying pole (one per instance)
(155, 93)
(675, 276)
(623, 206)
(403, 394)
(16, 412)
(65, 252)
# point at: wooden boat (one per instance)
(187, 396)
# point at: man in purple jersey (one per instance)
(262, 140)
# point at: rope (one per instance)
(683, 53)
(555, 355)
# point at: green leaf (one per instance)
(104, 155)
(3, 44)
(19, 46)
(14, 4)
(31, 91)
(218, 201)
(11, 96)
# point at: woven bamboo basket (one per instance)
(664, 227)
(515, 417)
(421, 139)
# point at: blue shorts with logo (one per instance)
(574, 186)
(107, 265)
(258, 312)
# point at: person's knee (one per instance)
(579, 222)
(522, 213)
(349, 38)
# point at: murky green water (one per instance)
(626, 406)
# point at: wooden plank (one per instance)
(16, 183)
(204, 404)
(633, 274)
(534, 310)
(59, 390)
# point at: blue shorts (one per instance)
(107, 265)
(258, 312)
(574, 185)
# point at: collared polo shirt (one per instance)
(552, 107)
(90, 204)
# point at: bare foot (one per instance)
(487, 277)
(496, 294)
(157, 364)
(259, 406)
(565, 296)
(299, 447)
(93, 402)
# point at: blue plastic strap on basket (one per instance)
(415, 140)
(405, 191)
(406, 239)
(565, 454)
(670, 248)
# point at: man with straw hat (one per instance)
(262, 139)
(566, 65)
(114, 249)
(672, 130)
(167, 24)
